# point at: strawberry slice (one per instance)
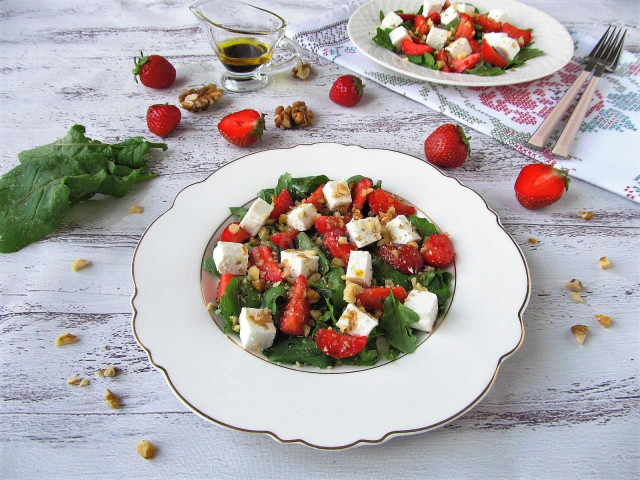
(411, 48)
(337, 249)
(339, 345)
(234, 233)
(466, 63)
(242, 128)
(489, 55)
(335, 225)
(420, 25)
(407, 16)
(372, 298)
(475, 48)
(380, 201)
(435, 17)
(296, 312)
(317, 197)
(404, 258)
(225, 278)
(283, 203)
(487, 24)
(262, 257)
(361, 191)
(285, 240)
(466, 27)
(523, 37)
(437, 250)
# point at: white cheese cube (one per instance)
(459, 49)
(365, 231)
(254, 219)
(431, 6)
(398, 35)
(464, 8)
(448, 16)
(392, 20)
(492, 38)
(437, 37)
(257, 330)
(497, 15)
(507, 48)
(300, 262)
(231, 257)
(359, 269)
(401, 230)
(337, 194)
(425, 304)
(302, 217)
(356, 322)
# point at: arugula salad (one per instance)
(456, 37)
(326, 272)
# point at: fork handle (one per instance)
(571, 128)
(543, 132)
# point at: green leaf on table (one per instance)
(305, 243)
(298, 349)
(425, 227)
(395, 322)
(485, 69)
(382, 38)
(525, 53)
(239, 212)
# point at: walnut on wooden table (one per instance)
(295, 115)
(197, 99)
(301, 70)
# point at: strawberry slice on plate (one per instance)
(297, 311)
(523, 37)
(466, 28)
(316, 197)
(234, 233)
(487, 24)
(361, 191)
(404, 258)
(283, 203)
(339, 345)
(489, 55)
(225, 278)
(285, 240)
(437, 250)
(411, 48)
(262, 257)
(337, 249)
(336, 225)
(380, 201)
(372, 298)
(466, 63)
(242, 128)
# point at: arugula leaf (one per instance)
(391, 354)
(382, 39)
(425, 227)
(331, 287)
(485, 69)
(452, 24)
(395, 322)
(299, 188)
(381, 15)
(239, 212)
(283, 182)
(210, 266)
(275, 298)
(525, 53)
(437, 282)
(366, 357)
(229, 304)
(357, 178)
(298, 349)
(305, 243)
(382, 272)
(420, 10)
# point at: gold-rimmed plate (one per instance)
(444, 378)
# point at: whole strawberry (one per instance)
(163, 119)
(404, 258)
(447, 146)
(539, 185)
(155, 71)
(346, 90)
(242, 128)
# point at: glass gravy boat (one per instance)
(244, 38)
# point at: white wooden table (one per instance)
(556, 410)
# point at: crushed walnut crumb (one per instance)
(111, 399)
(84, 382)
(210, 306)
(136, 209)
(301, 70)
(604, 263)
(79, 264)
(65, 339)
(604, 320)
(574, 285)
(146, 449)
(337, 262)
(575, 296)
(73, 380)
(580, 332)
(586, 215)
(532, 240)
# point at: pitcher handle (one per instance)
(287, 44)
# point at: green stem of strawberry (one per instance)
(139, 62)
(563, 172)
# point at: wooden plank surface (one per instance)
(557, 409)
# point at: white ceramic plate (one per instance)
(445, 377)
(548, 35)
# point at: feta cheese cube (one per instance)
(365, 231)
(254, 219)
(359, 269)
(398, 35)
(507, 48)
(464, 8)
(459, 49)
(356, 322)
(431, 6)
(425, 304)
(401, 230)
(337, 194)
(492, 38)
(257, 330)
(302, 217)
(448, 16)
(231, 257)
(497, 15)
(392, 20)
(300, 262)
(437, 37)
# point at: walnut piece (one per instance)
(146, 449)
(210, 306)
(351, 289)
(110, 371)
(586, 215)
(574, 285)
(79, 264)
(313, 296)
(295, 115)
(604, 263)
(580, 332)
(575, 296)
(136, 209)
(301, 70)
(73, 380)
(197, 99)
(112, 399)
(66, 339)
(84, 382)
(532, 240)
(603, 320)
(337, 262)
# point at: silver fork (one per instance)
(609, 61)
(543, 132)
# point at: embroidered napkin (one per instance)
(606, 149)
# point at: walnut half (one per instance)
(580, 332)
(295, 115)
(301, 70)
(197, 99)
